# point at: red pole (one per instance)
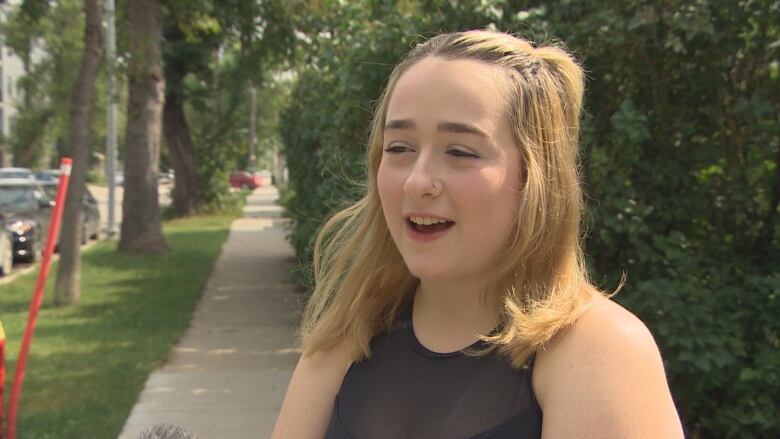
(2, 377)
(35, 304)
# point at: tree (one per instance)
(48, 37)
(213, 53)
(191, 34)
(187, 196)
(67, 287)
(20, 31)
(141, 228)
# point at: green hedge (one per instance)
(680, 155)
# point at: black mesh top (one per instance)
(408, 391)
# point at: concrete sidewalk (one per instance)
(227, 376)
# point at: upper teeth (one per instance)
(426, 221)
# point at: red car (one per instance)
(245, 180)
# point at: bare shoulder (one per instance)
(308, 403)
(606, 328)
(603, 377)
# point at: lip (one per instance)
(425, 237)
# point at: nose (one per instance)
(424, 179)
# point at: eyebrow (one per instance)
(451, 127)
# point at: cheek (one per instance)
(389, 188)
(493, 184)
(493, 197)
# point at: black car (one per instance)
(90, 215)
(26, 209)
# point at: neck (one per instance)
(456, 308)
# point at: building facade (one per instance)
(11, 70)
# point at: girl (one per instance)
(452, 300)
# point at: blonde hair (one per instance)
(361, 281)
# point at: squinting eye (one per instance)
(397, 149)
(462, 153)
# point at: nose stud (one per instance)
(436, 187)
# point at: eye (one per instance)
(460, 152)
(397, 148)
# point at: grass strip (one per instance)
(88, 363)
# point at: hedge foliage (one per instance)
(680, 160)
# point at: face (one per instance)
(450, 177)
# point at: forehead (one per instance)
(453, 90)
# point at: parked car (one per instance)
(47, 175)
(91, 220)
(245, 180)
(26, 209)
(24, 173)
(90, 215)
(6, 249)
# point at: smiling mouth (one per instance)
(429, 228)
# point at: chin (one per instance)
(426, 272)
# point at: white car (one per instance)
(24, 173)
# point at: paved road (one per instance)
(101, 195)
(227, 376)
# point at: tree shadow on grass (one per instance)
(94, 362)
(88, 363)
(95, 385)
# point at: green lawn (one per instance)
(88, 363)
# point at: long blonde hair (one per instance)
(361, 281)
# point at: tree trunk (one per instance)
(141, 228)
(765, 240)
(215, 82)
(252, 125)
(68, 283)
(187, 195)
